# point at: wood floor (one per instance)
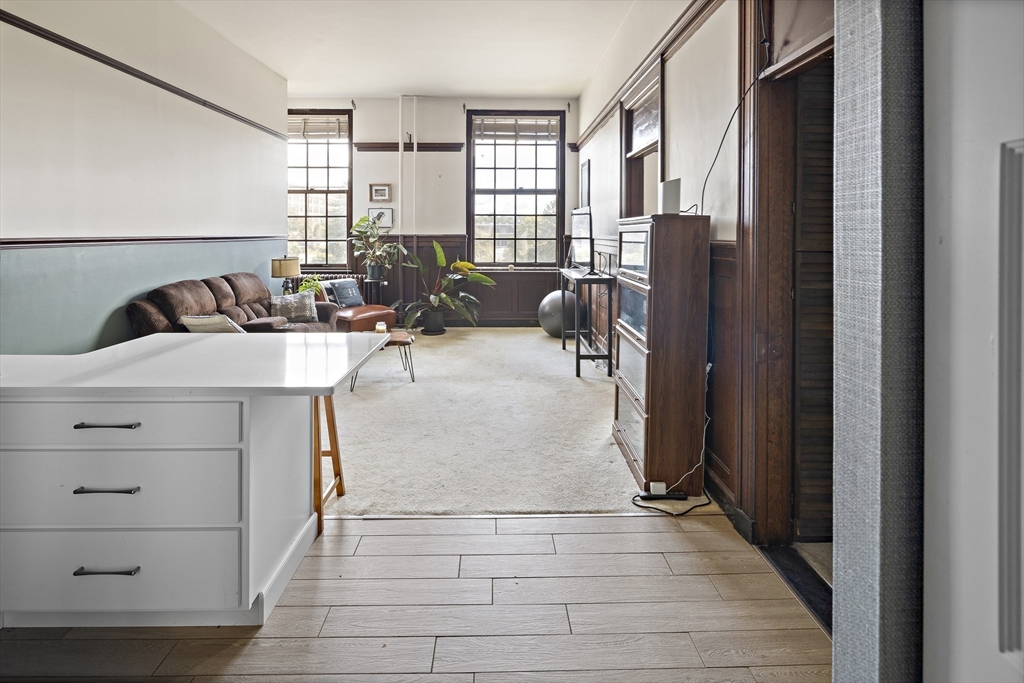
(583, 599)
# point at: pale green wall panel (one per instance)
(72, 299)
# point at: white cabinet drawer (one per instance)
(100, 423)
(179, 570)
(37, 488)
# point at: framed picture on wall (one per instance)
(585, 184)
(380, 192)
(385, 217)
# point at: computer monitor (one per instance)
(583, 240)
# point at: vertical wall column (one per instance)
(879, 359)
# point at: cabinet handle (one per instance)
(130, 425)
(82, 489)
(82, 571)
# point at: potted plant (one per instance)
(313, 282)
(446, 294)
(368, 241)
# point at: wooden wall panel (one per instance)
(813, 308)
(723, 383)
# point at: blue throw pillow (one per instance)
(345, 293)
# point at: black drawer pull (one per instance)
(82, 571)
(82, 489)
(130, 425)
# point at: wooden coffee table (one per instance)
(403, 339)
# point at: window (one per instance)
(319, 178)
(515, 199)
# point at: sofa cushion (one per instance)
(147, 318)
(221, 292)
(236, 314)
(187, 297)
(298, 308)
(247, 287)
(210, 324)
(318, 327)
(267, 324)
(344, 293)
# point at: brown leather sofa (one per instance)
(362, 318)
(243, 297)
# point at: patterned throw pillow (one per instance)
(345, 293)
(210, 323)
(297, 308)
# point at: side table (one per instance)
(580, 279)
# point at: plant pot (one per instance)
(433, 322)
(374, 272)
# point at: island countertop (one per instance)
(284, 364)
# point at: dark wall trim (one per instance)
(107, 241)
(46, 34)
(805, 59)
(688, 21)
(408, 147)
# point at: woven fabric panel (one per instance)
(879, 255)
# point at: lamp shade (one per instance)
(287, 266)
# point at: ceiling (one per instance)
(384, 48)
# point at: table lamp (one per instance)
(286, 267)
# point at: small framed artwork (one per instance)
(385, 217)
(585, 184)
(380, 192)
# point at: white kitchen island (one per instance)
(164, 481)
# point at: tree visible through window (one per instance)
(319, 175)
(514, 187)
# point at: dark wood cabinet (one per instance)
(661, 348)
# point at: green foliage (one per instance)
(311, 282)
(447, 291)
(369, 241)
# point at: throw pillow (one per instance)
(210, 323)
(345, 293)
(297, 308)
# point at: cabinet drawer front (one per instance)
(205, 422)
(631, 423)
(177, 570)
(631, 364)
(37, 488)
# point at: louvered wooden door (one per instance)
(812, 309)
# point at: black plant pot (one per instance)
(374, 272)
(433, 322)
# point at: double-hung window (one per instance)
(515, 200)
(319, 178)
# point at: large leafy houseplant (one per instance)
(447, 291)
(369, 242)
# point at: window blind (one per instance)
(520, 128)
(317, 127)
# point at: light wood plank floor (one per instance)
(580, 599)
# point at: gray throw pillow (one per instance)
(210, 323)
(297, 308)
(345, 293)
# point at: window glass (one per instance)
(319, 174)
(514, 186)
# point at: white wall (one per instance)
(701, 90)
(602, 151)
(974, 101)
(644, 26)
(88, 151)
(438, 204)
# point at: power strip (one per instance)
(643, 495)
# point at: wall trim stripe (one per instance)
(56, 38)
(30, 243)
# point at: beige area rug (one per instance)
(496, 423)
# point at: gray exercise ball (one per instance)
(550, 313)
